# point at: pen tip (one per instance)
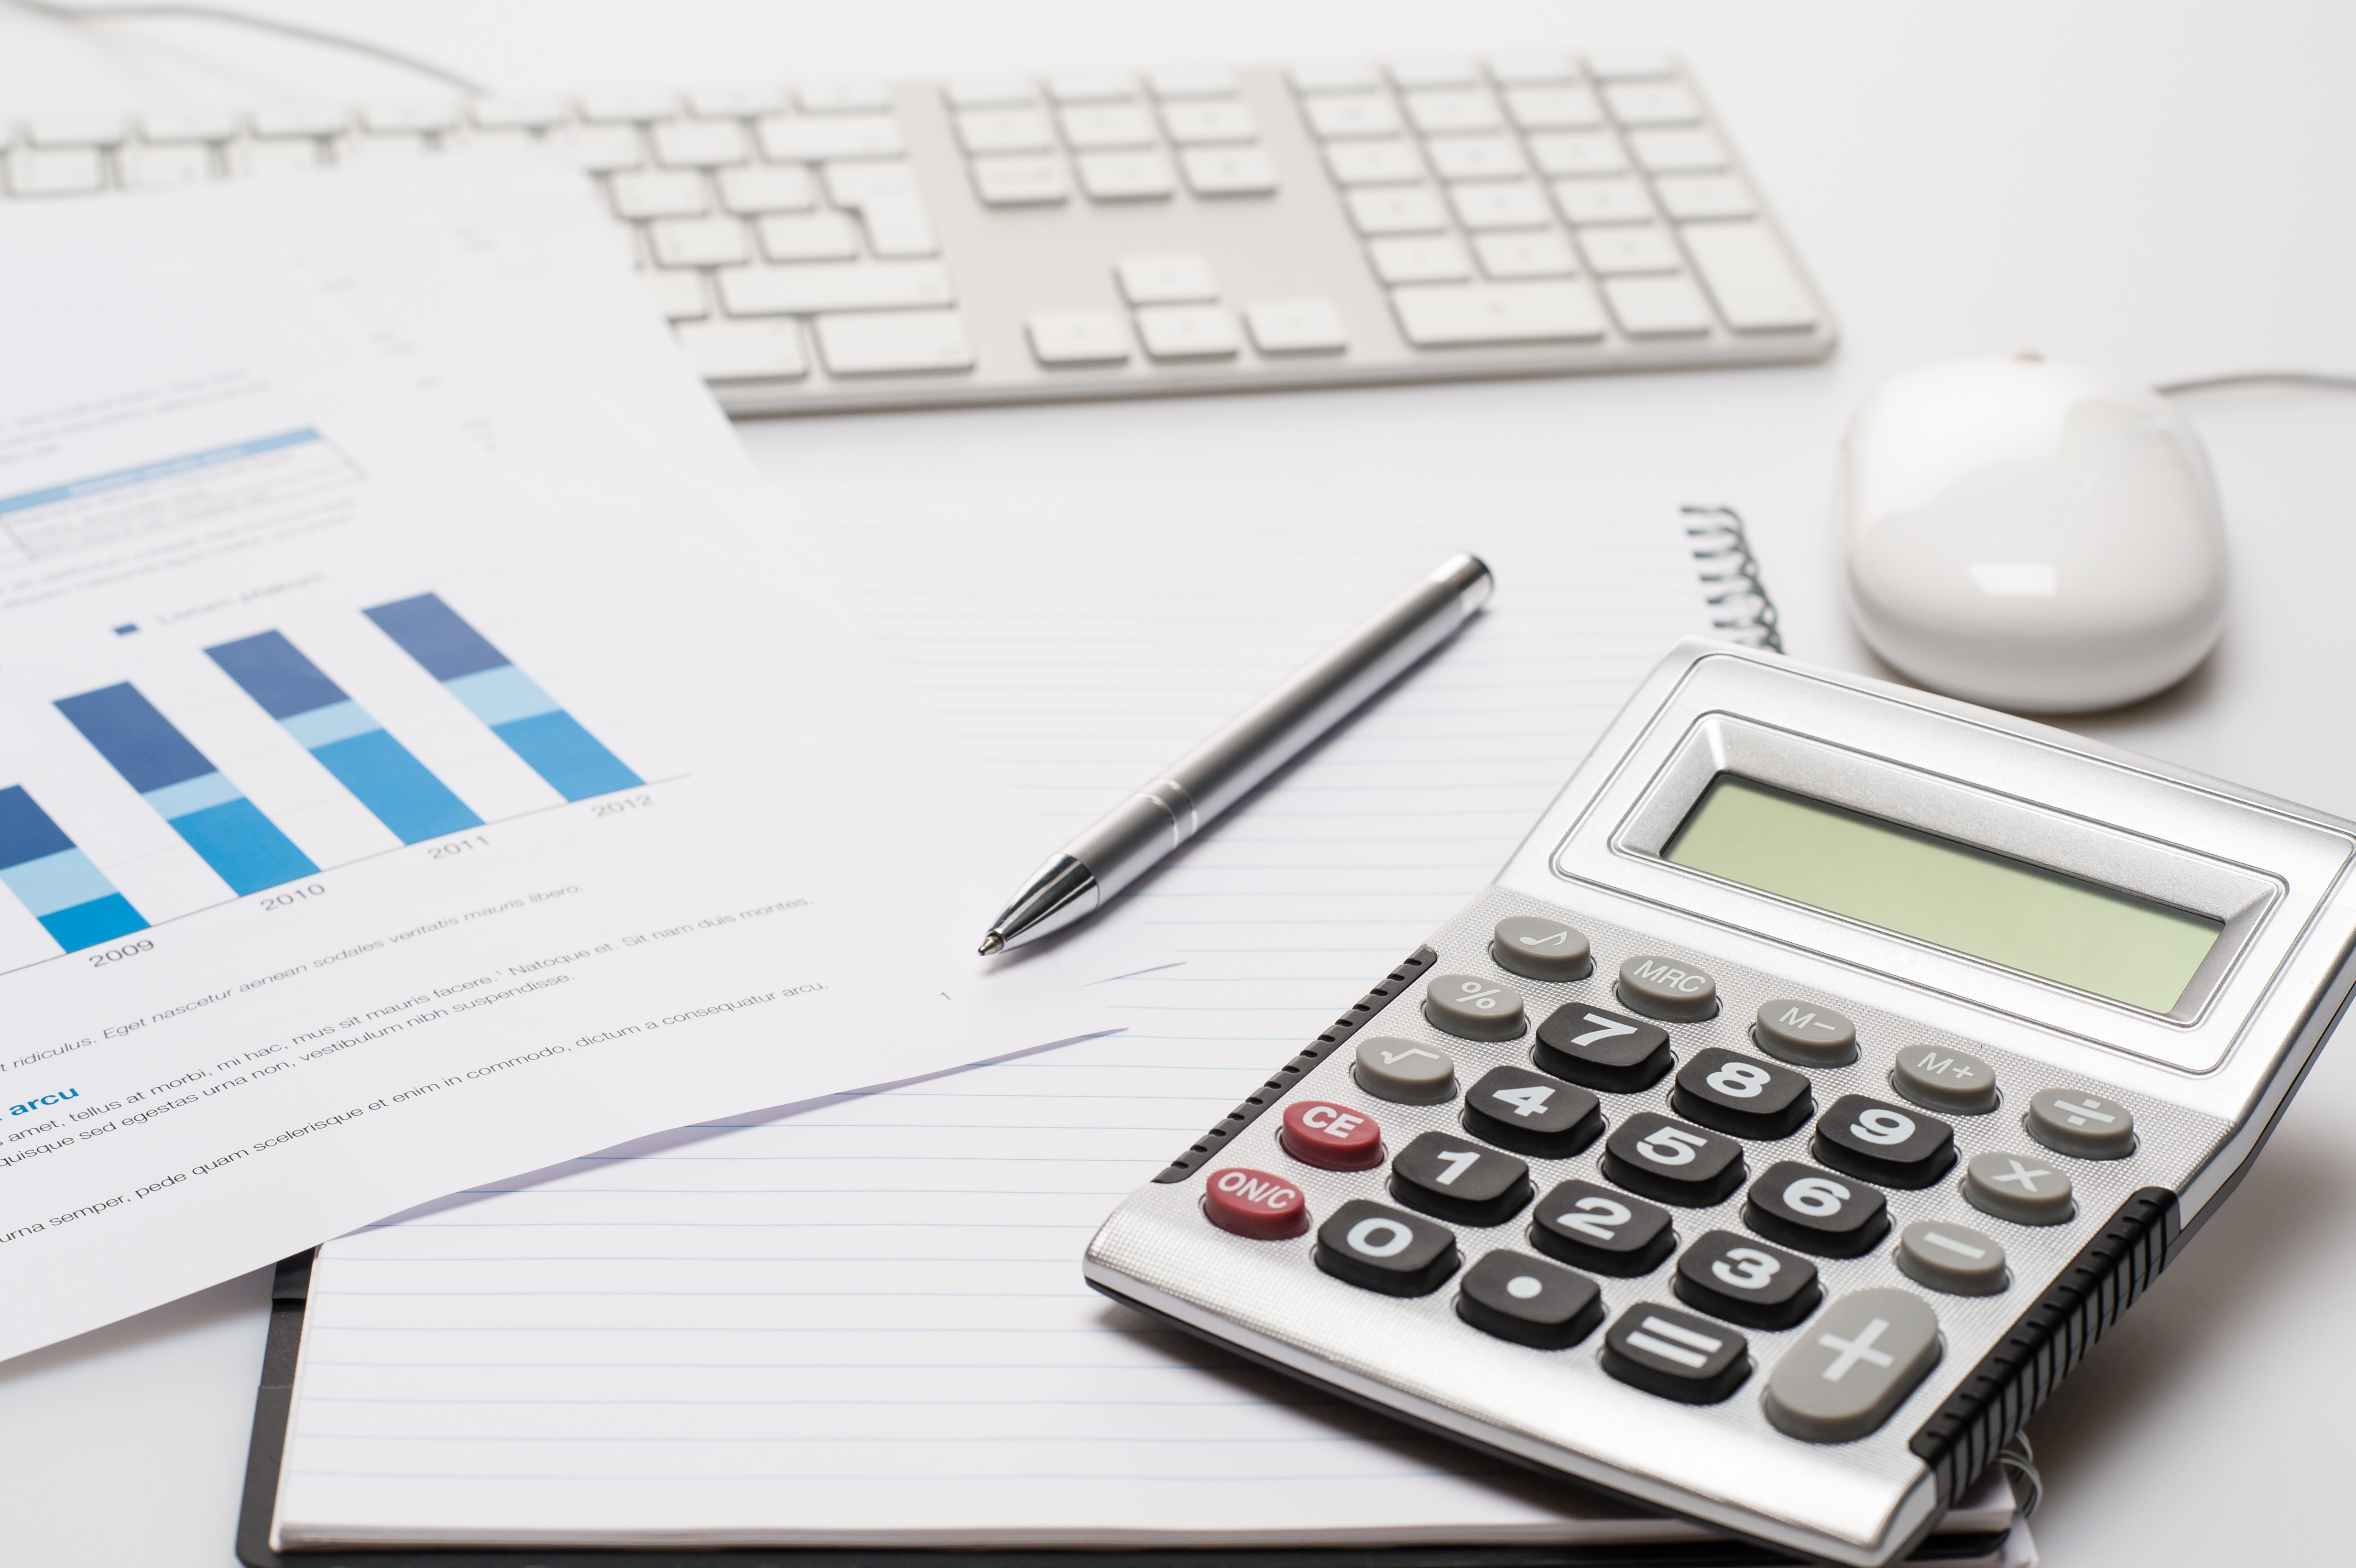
(991, 944)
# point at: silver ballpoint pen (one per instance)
(1126, 841)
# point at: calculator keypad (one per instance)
(1529, 1301)
(1385, 1250)
(1889, 1144)
(1330, 1136)
(1817, 1212)
(2080, 1124)
(1472, 1008)
(2025, 1188)
(1677, 1355)
(1407, 1070)
(1456, 1178)
(1603, 1049)
(1532, 1114)
(1743, 1095)
(1734, 1277)
(1853, 1366)
(1667, 1159)
(1602, 1231)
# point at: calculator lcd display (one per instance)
(1937, 890)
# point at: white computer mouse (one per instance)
(2029, 535)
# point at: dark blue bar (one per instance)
(431, 632)
(26, 831)
(404, 794)
(570, 758)
(87, 926)
(275, 674)
(128, 733)
(243, 846)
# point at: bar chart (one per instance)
(57, 853)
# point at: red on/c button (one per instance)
(1330, 1136)
(1254, 1203)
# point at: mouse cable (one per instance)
(245, 19)
(2258, 379)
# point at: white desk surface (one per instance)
(2159, 187)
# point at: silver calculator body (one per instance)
(1840, 1422)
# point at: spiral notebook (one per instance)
(859, 1323)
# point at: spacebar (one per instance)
(1450, 315)
(807, 290)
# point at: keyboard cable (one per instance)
(55, 12)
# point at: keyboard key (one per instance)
(1637, 248)
(1450, 1177)
(826, 286)
(746, 102)
(1857, 1364)
(1602, 1231)
(1165, 280)
(1500, 205)
(897, 226)
(421, 116)
(1351, 115)
(1097, 126)
(745, 350)
(699, 242)
(1815, 1212)
(1885, 1144)
(1406, 209)
(1675, 1355)
(1651, 103)
(62, 170)
(1187, 331)
(749, 193)
(1532, 1114)
(1747, 273)
(1602, 201)
(818, 237)
(1077, 337)
(1126, 176)
(171, 127)
(1373, 163)
(1402, 1070)
(1733, 1277)
(1295, 326)
(1603, 1049)
(1529, 1301)
(1385, 1250)
(70, 130)
(1523, 70)
(658, 193)
(680, 296)
(990, 93)
(1191, 81)
(146, 168)
(473, 139)
(1540, 948)
(1690, 197)
(1092, 87)
(1471, 1007)
(813, 138)
(1228, 171)
(1207, 124)
(1658, 307)
(856, 183)
(1440, 112)
(842, 97)
(604, 149)
(1021, 182)
(1553, 109)
(1943, 1079)
(699, 144)
(895, 343)
(1434, 73)
(1741, 1095)
(1672, 1162)
(253, 159)
(2077, 1123)
(1951, 1257)
(1254, 1204)
(377, 149)
(1003, 131)
(1338, 76)
(297, 120)
(1630, 65)
(1804, 1033)
(1577, 153)
(627, 106)
(1666, 988)
(1678, 152)
(1474, 157)
(1330, 1136)
(518, 113)
(1435, 260)
(2020, 1187)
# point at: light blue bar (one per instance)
(122, 477)
(325, 726)
(193, 794)
(56, 881)
(501, 695)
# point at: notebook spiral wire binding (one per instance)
(2020, 1462)
(1743, 612)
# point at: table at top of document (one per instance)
(254, 481)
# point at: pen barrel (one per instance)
(1167, 811)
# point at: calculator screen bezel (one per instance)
(2032, 796)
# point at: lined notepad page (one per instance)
(863, 1321)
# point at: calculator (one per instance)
(1827, 1071)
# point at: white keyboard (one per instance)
(843, 245)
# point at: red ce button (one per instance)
(1330, 1136)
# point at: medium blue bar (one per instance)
(389, 781)
(559, 750)
(122, 478)
(87, 926)
(243, 846)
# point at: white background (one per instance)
(2161, 188)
